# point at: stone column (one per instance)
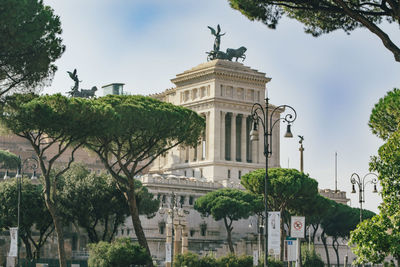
(244, 134)
(233, 137)
(208, 136)
(203, 156)
(214, 135)
(222, 149)
(301, 149)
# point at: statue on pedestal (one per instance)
(230, 52)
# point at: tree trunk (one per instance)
(283, 234)
(229, 236)
(314, 233)
(28, 247)
(59, 230)
(323, 238)
(387, 42)
(137, 225)
(336, 249)
(36, 254)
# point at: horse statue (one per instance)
(229, 54)
(237, 53)
(88, 93)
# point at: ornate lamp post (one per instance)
(265, 117)
(175, 212)
(355, 179)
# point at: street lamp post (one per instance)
(263, 116)
(19, 176)
(355, 179)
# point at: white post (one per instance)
(298, 255)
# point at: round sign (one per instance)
(298, 225)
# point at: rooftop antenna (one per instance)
(336, 190)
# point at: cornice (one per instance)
(221, 69)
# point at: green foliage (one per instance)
(286, 187)
(34, 216)
(9, 160)
(385, 116)
(94, 199)
(67, 120)
(120, 253)
(53, 125)
(342, 219)
(384, 122)
(30, 43)
(187, 259)
(273, 263)
(229, 205)
(380, 236)
(231, 260)
(289, 191)
(316, 210)
(135, 131)
(310, 258)
(142, 128)
(389, 264)
(376, 239)
(325, 16)
(147, 204)
(207, 261)
(387, 164)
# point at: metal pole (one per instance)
(18, 208)
(172, 238)
(361, 189)
(259, 236)
(259, 113)
(336, 190)
(266, 181)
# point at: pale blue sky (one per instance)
(332, 81)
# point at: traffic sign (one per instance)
(297, 226)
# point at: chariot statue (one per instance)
(230, 52)
(85, 93)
